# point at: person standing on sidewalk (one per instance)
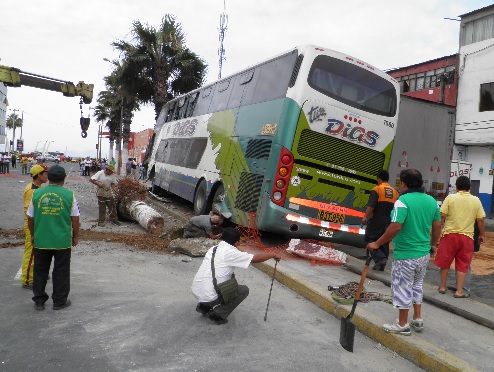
(6, 163)
(377, 217)
(40, 176)
(414, 215)
(227, 258)
(458, 215)
(24, 161)
(53, 220)
(106, 182)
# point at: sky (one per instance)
(69, 40)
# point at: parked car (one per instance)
(56, 159)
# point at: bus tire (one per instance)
(215, 197)
(200, 201)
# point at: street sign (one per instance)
(20, 145)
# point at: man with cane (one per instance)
(216, 269)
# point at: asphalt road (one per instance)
(133, 310)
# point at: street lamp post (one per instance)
(13, 130)
(36, 148)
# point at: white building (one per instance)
(474, 131)
(3, 116)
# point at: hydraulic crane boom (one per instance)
(13, 77)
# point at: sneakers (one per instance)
(216, 318)
(380, 265)
(417, 324)
(203, 309)
(63, 306)
(396, 328)
(39, 306)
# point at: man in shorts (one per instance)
(414, 215)
(458, 215)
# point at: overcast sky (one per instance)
(68, 40)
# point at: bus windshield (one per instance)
(353, 86)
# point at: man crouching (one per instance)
(226, 258)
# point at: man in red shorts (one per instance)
(458, 214)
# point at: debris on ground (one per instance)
(316, 253)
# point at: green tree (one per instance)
(157, 64)
(13, 122)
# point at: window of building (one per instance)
(477, 30)
(486, 97)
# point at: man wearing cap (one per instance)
(53, 220)
(40, 176)
(106, 181)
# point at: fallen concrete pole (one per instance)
(142, 213)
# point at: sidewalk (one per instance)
(449, 341)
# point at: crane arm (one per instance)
(14, 77)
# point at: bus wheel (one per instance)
(219, 196)
(200, 202)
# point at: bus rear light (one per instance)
(282, 177)
(277, 195)
(285, 159)
(280, 184)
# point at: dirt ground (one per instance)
(482, 263)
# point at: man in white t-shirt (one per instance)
(106, 182)
(227, 258)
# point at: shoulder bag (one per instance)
(227, 290)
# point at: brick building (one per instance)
(138, 143)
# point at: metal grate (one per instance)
(330, 150)
(258, 149)
(249, 191)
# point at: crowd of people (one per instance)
(412, 220)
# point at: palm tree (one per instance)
(14, 121)
(157, 64)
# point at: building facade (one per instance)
(474, 131)
(139, 143)
(3, 116)
(433, 80)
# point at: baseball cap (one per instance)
(57, 170)
(110, 167)
(38, 168)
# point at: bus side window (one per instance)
(222, 94)
(180, 110)
(203, 101)
(192, 104)
(239, 85)
(274, 78)
(169, 113)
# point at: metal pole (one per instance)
(13, 132)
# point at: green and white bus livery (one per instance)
(291, 145)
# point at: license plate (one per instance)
(330, 216)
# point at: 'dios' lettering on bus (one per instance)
(185, 129)
(359, 134)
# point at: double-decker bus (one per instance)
(291, 145)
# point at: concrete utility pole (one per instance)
(223, 28)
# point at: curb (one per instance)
(485, 322)
(420, 352)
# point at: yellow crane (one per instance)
(13, 77)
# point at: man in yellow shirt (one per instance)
(24, 161)
(458, 214)
(39, 172)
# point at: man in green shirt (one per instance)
(53, 221)
(414, 215)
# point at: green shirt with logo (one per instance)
(416, 211)
(52, 221)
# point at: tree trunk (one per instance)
(142, 213)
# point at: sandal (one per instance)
(442, 291)
(464, 295)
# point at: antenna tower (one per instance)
(222, 29)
